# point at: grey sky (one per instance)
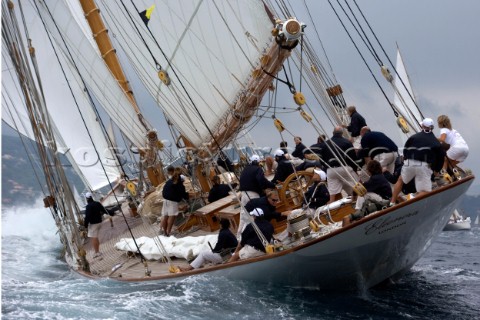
(440, 45)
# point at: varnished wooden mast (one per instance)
(109, 55)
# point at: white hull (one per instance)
(363, 254)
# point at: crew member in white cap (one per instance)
(317, 195)
(252, 185)
(94, 212)
(226, 243)
(251, 246)
(284, 168)
(423, 155)
(268, 204)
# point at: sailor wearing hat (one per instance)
(252, 186)
(284, 168)
(423, 154)
(250, 245)
(317, 195)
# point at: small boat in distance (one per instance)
(457, 222)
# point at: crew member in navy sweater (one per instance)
(173, 192)
(423, 155)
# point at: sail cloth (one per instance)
(212, 47)
(185, 247)
(403, 98)
(77, 46)
(72, 137)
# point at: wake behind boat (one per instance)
(208, 68)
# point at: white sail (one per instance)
(210, 49)
(78, 48)
(404, 98)
(72, 137)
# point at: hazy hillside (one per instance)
(20, 170)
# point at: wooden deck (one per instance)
(127, 265)
(121, 265)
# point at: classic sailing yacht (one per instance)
(212, 69)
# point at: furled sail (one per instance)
(70, 112)
(204, 79)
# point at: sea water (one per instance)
(37, 284)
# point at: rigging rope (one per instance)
(393, 66)
(84, 123)
(363, 58)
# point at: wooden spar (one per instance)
(245, 106)
(109, 55)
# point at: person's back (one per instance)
(330, 151)
(424, 146)
(250, 237)
(226, 240)
(453, 137)
(357, 122)
(375, 142)
(94, 212)
(218, 192)
(174, 190)
(379, 184)
(267, 204)
(284, 169)
(253, 178)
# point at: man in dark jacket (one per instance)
(377, 146)
(218, 190)
(299, 148)
(173, 192)
(94, 212)
(252, 185)
(423, 155)
(379, 191)
(312, 155)
(357, 122)
(268, 205)
(284, 168)
(226, 243)
(339, 155)
(317, 195)
(251, 246)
